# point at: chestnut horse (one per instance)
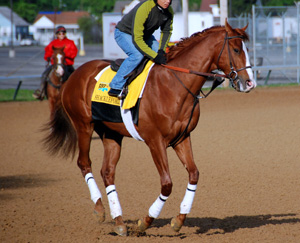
(55, 78)
(169, 111)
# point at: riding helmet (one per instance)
(60, 28)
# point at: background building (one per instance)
(18, 26)
(43, 28)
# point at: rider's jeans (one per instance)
(134, 56)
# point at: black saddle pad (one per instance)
(112, 113)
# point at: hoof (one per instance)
(121, 230)
(176, 224)
(100, 216)
(142, 226)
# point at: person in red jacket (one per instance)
(70, 51)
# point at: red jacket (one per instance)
(70, 50)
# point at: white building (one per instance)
(19, 27)
(43, 28)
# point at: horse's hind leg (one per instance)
(112, 142)
(185, 154)
(84, 163)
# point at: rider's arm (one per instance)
(48, 52)
(166, 31)
(71, 51)
(140, 18)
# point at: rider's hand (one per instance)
(160, 58)
(48, 59)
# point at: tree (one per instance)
(91, 30)
(194, 5)
(28, 10)
(239, 7)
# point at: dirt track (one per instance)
(247, 151)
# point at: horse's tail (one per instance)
(62, 137)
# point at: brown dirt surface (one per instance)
(246, 147)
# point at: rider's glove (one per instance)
(160, 58)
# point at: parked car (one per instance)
(28, 41)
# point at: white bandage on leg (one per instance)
(186, 204)
(113, 200)
(157, 206)
(94, 190)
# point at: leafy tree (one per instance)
(239, 7)
(91, 30)
(97, 7)
(194, 5)
(28, 10)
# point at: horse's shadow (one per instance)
(211, 226)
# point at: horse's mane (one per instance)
(196, 37)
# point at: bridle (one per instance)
(232, 76)
(53, 68)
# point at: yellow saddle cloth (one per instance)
(104, 78)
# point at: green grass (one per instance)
(7, 95)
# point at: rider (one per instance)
(70, 51)
(134, 34)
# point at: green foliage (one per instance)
(239, 7)
(91, 30)
(28, 10)
(97, 7)
(194, 5)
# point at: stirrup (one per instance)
(121, 94)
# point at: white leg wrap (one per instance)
(157, 206)
(187, 202)
(94, 190)
(113, 200)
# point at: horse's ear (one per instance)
(228, 27)
(244, 28)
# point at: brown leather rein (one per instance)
(184, 70)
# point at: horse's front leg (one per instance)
(52, 98)
(185, 154)
(159, 155)
(84, 163)
(112, 149)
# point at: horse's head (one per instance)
(233, 59)
(58, 58)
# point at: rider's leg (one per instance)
(152, 43)
(130, 63)
(68, 70)
(40, 93)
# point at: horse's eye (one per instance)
(236, 50)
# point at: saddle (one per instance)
(115, 65)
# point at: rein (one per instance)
(61, 78)
(184, 70)
(215, 84)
